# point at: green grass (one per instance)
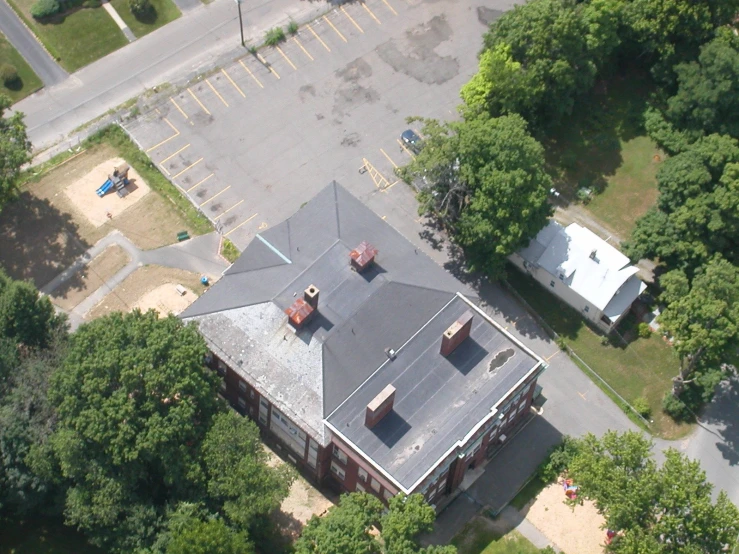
(632, 189)
(76, 38)
(43, 537)
(28, 81)
(528, 492)
(229, 251)
(117, 138)
(478, 538)
(164, 12)
(642, 367)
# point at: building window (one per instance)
(551, 283)
(387, 495)
(527, 389)
(312, 453)
(605, 320)
(263, 410)
(251, 394)
(242, 403)
(223, 385)
(222, 367)
(586, 309)
(362, 474)
(360, 488)
(339, 454)
(522, 406)
(242, 386)
(561, 276)
(375, 484)
(431, 494)
(288, 432)
(336, 470)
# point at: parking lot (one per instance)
(249, 143)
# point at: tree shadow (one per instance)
(585, 151)
(723, 412)
(38, 241)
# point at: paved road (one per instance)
(195, 41)
(19, 36)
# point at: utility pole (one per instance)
(241, 22)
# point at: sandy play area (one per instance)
(574, 531)
(99, 210)
(166, 299)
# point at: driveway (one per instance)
(29, 47)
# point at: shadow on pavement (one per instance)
(724, 412)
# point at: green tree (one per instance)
(240, 482)
(707, 98)
(406, 518)
(702, 316)
(15, 150)
(485, 181)
(134, 401)
(208, 537)
(26, 317)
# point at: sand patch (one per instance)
(98, 210)
(90, 278)
(166, 299)
(575, 530)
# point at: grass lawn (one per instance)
(478, 537)
(76, 38)
(528, 492)
(164, 12)
(28, 81)
(642, 367)
(43, 537)
(632, 189)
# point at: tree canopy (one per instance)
(485, 181)
(15, 150)
(349, 527)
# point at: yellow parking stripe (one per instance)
(371, 14)
(351, 19)
(176, 134)
(217, 94)
(403, 146)
(250, 73)
(215, 196)
(303, 49)
(176, 105)
(228, 210)
(268, 66)
(198, 101)
(389, 158)
(200, 182)
(240, 224)
(189, 167)
(317, 37)
(334, 28)
(241, 92)
(390, 7)
(286, 58)
(173, 155)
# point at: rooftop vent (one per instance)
(593, 256)
(300, 313)
(311, 296)
(363, 256)
(456, 333)
(380, 406)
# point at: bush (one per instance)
(274, 36)
(92, 3)
(675, 408)
(8, 74)
(229, 251)
(292, 28)
(140, 8)
(644, 330)
(44, 8)
(557, 460)
(641, 405)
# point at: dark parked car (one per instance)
(411, 141)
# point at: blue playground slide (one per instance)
(105, 188)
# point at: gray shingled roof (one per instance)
(359, 315)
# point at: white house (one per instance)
(583, 270)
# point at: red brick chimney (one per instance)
(363, 256)
(299, 313)
(456, 333)
(380, 406)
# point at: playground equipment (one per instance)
(119, 180)
(570, 489)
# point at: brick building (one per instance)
(366, 362)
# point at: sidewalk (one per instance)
(203, 37)
(127, 32)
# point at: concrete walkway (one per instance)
(199, 255)
(29, 47)
(118, 21)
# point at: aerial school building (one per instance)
(368, 365)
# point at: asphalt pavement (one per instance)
(29, 47)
